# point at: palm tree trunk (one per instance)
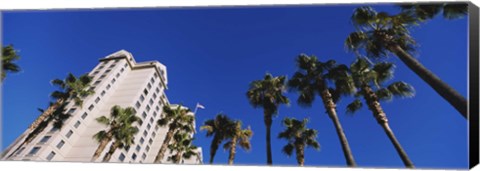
(332, 113)
(178, 157)
(443, 89)
(31, 136)
(397, 145)
(233, 147)
(377, 110)
(45, 114)
(33, 128)
(110, 152)
(163, 149)
(101, 147)
(300, 154)
(268, 123)
(216, 141)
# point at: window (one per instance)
(137, 105)
(144, 115)
(94, 73)
(157, 90)
(53, 130)
(102, 76)
(153, 134)
(157, 108)
(108, 86)
(152, 80)
(149, 126)
(154, 96)
(148, 108)
(145, 91)
(76, 124)
(97, 82)
(90, 107)
(137, 148)
(101, 67)
(97, 99)
(84, 115)
(69, 134)
(134, 156)
(113, 80)
(71, 110)
(126, 64)
(151, 120)
(20, 151)
(156, 127)
(50, 156)
(107, 71)
(150, 141)
(144, 156)
(126, 148)
(151, 102)
(116, 60)
(122, 70)
(121, 157)
(149, 86)
(103, 93)
(147, 148)
(113, 65)
(45, 139)
(155, 75)
(60, 144)
(145, 133)
(154, 114)
(118, 75)
(142, 140)
(142, 98)
(34, 151)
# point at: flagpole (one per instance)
(195, 111)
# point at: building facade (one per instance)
(117, 80)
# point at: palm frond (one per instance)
(354, 106)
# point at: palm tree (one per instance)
(125, 137)
(298, 136)
(182, 146)
(9, 56)
(221, 128)
(268, 94)
(240, 137)
(429, 10)
(310, 80)
(177, 119)
(381, 33)
(72, 87)
(369, 80)
(119, 127)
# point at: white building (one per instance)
(117, 80)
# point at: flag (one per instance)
(200, 106)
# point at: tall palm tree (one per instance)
(240, 137)
(380, 33)
(183, 147)
(310, 80)
(268, 94)
(298, 136)
(426, 11)
(221, 128)
(370, 82)
(177, 119)
(9, 56)
(119, 128)
(71, 87)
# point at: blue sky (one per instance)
(212, 54)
